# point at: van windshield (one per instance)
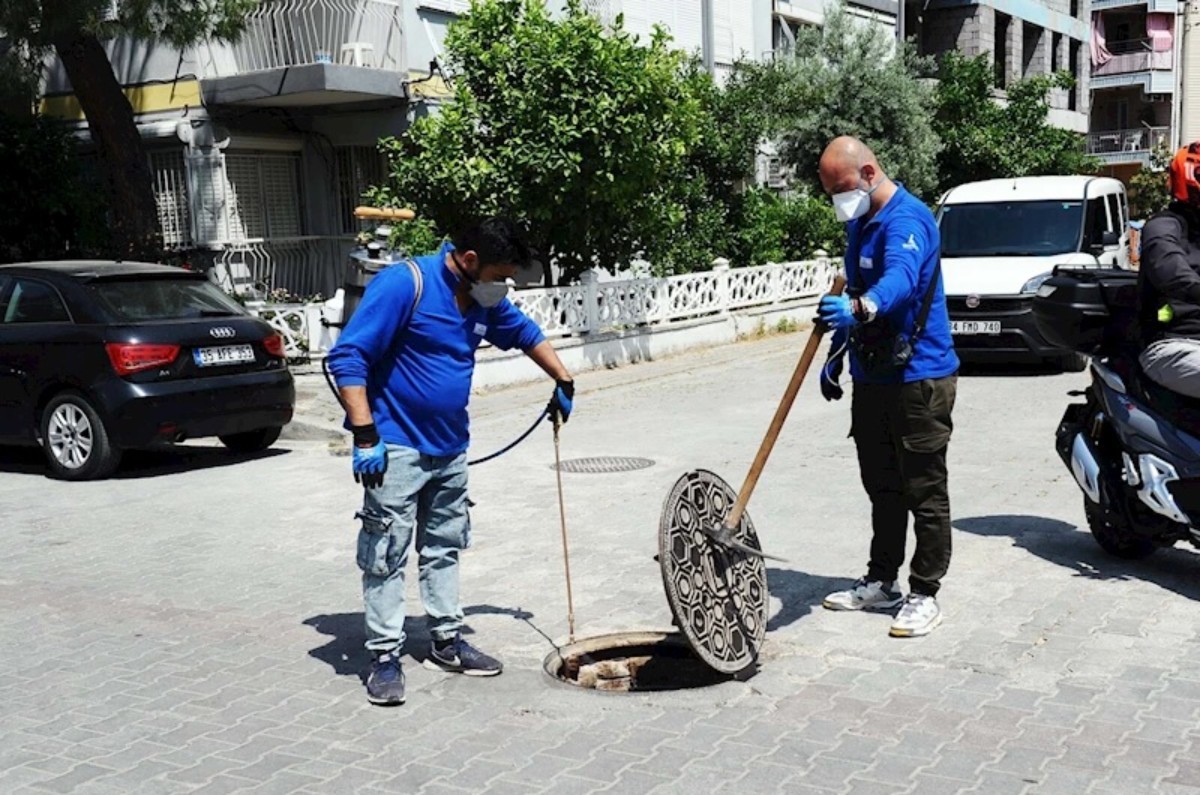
(1011, 229)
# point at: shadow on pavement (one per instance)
(1065, 545)
(800, 594)
(347, 656)
(136, 464)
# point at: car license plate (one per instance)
(974, 326)
(226, 354)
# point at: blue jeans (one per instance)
(427, 494)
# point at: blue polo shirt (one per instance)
(893, 255)
(417, 362)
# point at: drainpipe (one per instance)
(708, 35)
(900, 21)
(1181, 30)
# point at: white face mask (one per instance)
(852, 204)
(488, 294)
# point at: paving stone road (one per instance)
(194, 625)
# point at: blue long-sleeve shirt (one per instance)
(893, 255)
(417, 362)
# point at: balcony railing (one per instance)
(281, 33)
(1127, 142)
(1133, 55)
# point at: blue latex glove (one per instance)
(369, 459)
(562, 401)
(835, 312)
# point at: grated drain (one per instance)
(604, 464)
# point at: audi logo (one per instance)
(972, 302)
(222, 332)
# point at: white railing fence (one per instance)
(302, 266)
(281, 33)
(595, 307)
(1141, 139)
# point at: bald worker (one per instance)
(894, 324)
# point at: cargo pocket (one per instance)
(927, 405)
(376, 545)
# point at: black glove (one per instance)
(830, 373)
(562, 401)
(369, 458)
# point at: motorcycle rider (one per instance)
(1169, 282)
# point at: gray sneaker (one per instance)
(865, 594)
(919, 616)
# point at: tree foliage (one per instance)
(604, 145)
(983, 138)
(75, 30)
(48, 207)
(847, 79)
(1148, 192)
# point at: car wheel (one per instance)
(251, 441)
(1073, 362)
(1115, 539)
(75, 440)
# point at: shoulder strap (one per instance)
(418, 283)
(927, 302)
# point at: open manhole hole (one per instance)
(604, 464)
(632, 662)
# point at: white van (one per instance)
(1002, 238)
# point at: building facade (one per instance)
(1023, 38)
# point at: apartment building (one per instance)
(261, 149)
(1134, 57)
(1023, 38)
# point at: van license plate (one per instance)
(974, 326)
(226, 354)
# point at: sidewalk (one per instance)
(198, 628)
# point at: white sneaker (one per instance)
(865, 595)
(919, 616)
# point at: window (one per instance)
(1003, 22)
(1077, 89)
(1056, 56)
(34, 302)
(358, 168)
(131, 301)
(1012, 229)
(264, 195)
(1097, 222)
(171, 198)
(1114, 212)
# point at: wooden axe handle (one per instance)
(785, 405)
(383, 214)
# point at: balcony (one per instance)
(1113, 147)
(296, 53)
(1134, 63)
(1162, 6)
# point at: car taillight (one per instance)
(129, 358)
(274, 346)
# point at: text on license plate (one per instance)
(974, 326)
(226, 354)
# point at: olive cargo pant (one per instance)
(902, 432)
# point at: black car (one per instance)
(100, 357)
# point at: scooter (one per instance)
(1132, 446)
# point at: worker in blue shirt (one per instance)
(403, 366)
(893, 322)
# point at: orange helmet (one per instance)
(1184, 179)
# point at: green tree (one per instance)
(983, 138)
(1148, 187)
(772, 228)
(847, 79)
(583, 134)
(75, 30)
(48, 207)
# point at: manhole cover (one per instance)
(631, 662)
(604, 464)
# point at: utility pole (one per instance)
(900, 21)
(708, 35)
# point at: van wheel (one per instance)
(1073, 362)
(75, 440)
(251, 441)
